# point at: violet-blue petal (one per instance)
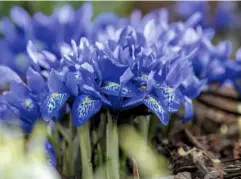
(188, 111)
(8, 29)
(53, 103)
(150, 32)
(133, 102)
(194, 19)
(33, 54)
(55, 83)
(7, 75)
(193, 86)
(93, 92)
(154, 105)
(20, 17)
(224, 48)
(238, 55)
(178, 73)
(10, 98)
(150, 81)
(84, 108)
(19, 89)
(114, 89)
(71, 84)
(127, 75)
(171, 98)
(190, 37)
(36, 82)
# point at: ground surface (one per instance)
(210, 145)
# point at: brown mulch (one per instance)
(209, 147)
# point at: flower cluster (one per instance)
(219, 16)
(117, 65)
(47, 32)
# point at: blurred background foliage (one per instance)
(122, 8)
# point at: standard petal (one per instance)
(7, 75)
(238, 55)
(53, 103)
(178, 73)
(190, 37)
(19, 89)
(71, 84)
(224, 48)
(84, 108)
(55, 83)
(150, 31)
(127, 75)
(36, 82)
(157, 108)
(20, 17)
(194, 19)
(193, 86)
(188, 110)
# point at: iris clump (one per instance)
(118, 74)
(221, 15)
(91, 69)
(47, 32)
(134, 65)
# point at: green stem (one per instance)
(71, 151)
(53, 139)
(152, 127)
(65, 162)
(144, 123)
(64, 132)
(112, 149)
(85, 151)
(98, 159)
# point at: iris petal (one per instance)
(84, 108)
(7, 75)
(53, 103)
(188, 110)
(36, 82)
(133, 102)
(172, 98)
(157, 108)
(113, 89)
(55, 83)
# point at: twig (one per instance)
(198, 144)
(135, 169)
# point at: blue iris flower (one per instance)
(23, 100)
(46, 32)
(233, 71)
(210, 62)
(226, 15)
(223, 16)
(79, 81)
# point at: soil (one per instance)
(209, 146)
